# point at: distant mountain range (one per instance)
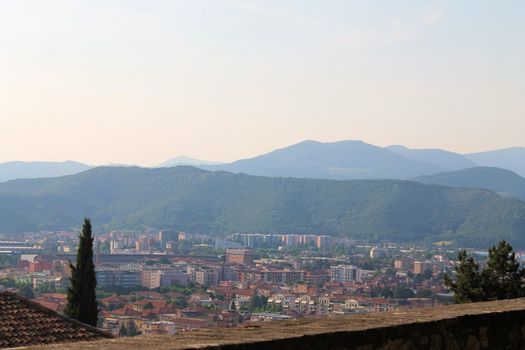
(185, 161)
(335, 160)
(195, 200)
(444, 159)
(509, 158)
(25, 170)
(501, 181)
(359, 160)
(342, 160)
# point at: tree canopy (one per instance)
(502, 277)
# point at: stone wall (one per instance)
(504, 330)
(491, 325)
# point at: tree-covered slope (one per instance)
(194, 200)
(501, 181)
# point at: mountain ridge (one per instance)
(183, 160)
(512, 158)
(342, 160)
(347, 159)
(39, 169)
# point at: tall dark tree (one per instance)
(502, 277)
(122, 332)
(468, 284)
(132, 329)
(81, 295)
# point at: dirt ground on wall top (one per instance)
(290, 329)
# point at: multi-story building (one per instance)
(41, 279)
(208, 276)
(403, 264)
(378, 252)
(40, 266)
(112, 278)
(308, 240)
(239, 256)
(421, 266)
(323, 242)
(291, 240)
(155, 278)
(282, 276)
(345, 273)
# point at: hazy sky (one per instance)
(124, 81)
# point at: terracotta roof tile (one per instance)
(24, 322)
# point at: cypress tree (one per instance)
(132, 329)
(122, 332)
(81, 295)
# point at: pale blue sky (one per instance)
(104, 81)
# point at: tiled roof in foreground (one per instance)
(24, 322)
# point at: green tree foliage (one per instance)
(199, 201)
(8, 282)
(233, 306)
(403, 292)
(164, 260)
(275, 308)
(27, 292)
(81, 295)
(8, 260)
(105, 247)
(148, 306)
(500, 279)
(257, 302)
(382, 292)
(132, 329)
(179, 302)
(122, 332)
(425, 293)
(47, 287)
(468, 285)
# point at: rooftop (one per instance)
(24, 322)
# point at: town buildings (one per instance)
(345, 274)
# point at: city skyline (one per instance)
(141, 82)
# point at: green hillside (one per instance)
(501, 181)
(195, 200)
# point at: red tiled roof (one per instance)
(127, 310)
(50, 305)
(59, 296)
(113, 299)
(24, 322)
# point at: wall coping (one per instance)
(267, 331)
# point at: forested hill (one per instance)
(195, 200)
(501, 181)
